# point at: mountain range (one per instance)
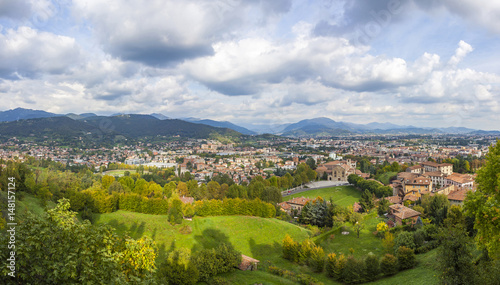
(136, 125)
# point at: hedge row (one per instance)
(235, 206)
(356, 270)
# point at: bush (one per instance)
(427, 246)
(317, 259)
(404, 239)
(389, 264)
(291, 249)
(305, 279)
(177, 269)
(372, 266)
(331, 261)
(406, 258)
(211, 262)
(354, 270)
(281, 272)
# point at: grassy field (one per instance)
(367, 241)
(32, 204)
(256, 237)
(253, 236)
(341, 195)
(424, 273)
(384, 178)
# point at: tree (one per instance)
(366, 201)
(356, 220)
(214, 190)
(107, 180)
(58, 249)
(178, 269)
(182, 189)
(484, 203)
(311, 163)
(383, 206)
(175, 214)
(388, 242)
(455, 257)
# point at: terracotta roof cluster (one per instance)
(460, 178)
(187, 200)
(285, 206)
(394, 199)
(458, 195)
(299, 201)
(403, 212)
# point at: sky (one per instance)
(427, 63)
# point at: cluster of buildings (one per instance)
(431, 178)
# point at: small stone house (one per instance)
(248, 263)
(400, 213)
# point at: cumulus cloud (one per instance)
(460, 53)
(26, 52)
(161, 33)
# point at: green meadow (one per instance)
(341, 195)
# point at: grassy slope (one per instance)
(367, 242)
(32, 204)
(341, 195)
(384, 178)
(424, 273)
(255, 237)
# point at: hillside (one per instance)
(55, 127)
(253, 236)
(130, 126)
(22, 114)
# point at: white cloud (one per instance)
(28, 52)
(460, 53)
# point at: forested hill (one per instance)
(129, 126)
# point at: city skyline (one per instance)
(418, 63)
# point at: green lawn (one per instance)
(256, 237)
(367, 241)
(424, 273)
(253, 236)
(32, 204)
(341, 195)
(384, 178)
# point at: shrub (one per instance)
(317, 259)
(177, 269)
(291, 249)
(331, 261)
(306, 248)
(372, 266)
(354, 270)
(389, 264)
(305, 279)
(404, 239)
(428, 246)
(406, 257)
